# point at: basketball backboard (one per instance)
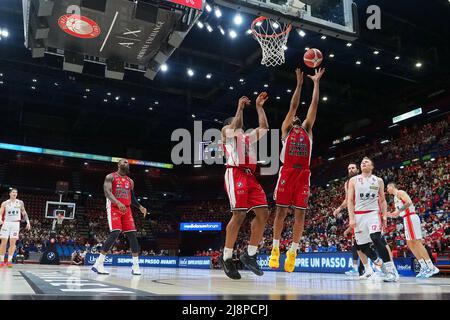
(53, 208)
(335, 18)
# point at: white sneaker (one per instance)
(397, 276)
(352, 272)
(391, 277)
(421, 273)
(100, 269)
(135, 270)
(435, 270)
(379, 270)
(429, 273)
(367, 274)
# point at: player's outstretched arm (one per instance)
(107, 189)
(383, 202)
(135, 203)
(351, 203)
(25, 215)
(382, 196)
(393, 215)
(263, 124)
(295, 101)
(402, 195)
(343, 204)
(2, 212)
(312, 111)
(229, 131)
(347, 231)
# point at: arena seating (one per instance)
(426, 181)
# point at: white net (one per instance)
(59, 218)
(57, 221)
(272, 36)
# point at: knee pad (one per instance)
(355, 252)
(132, 239)
(377, 239)
(368, 251)
(111, 240)
(383, 240)
(361, 268)
(380, 246)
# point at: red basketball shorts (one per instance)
(292, 188)
(244, 191)
(118, 220)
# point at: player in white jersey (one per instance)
(365, 195)
(11, 213)
(404, 208)
(352, 171)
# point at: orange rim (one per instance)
(276, 35)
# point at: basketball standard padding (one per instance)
(73, 62)
(39, 28)
(43, 8)
(313, 58)
(37, 48)
(114, 69)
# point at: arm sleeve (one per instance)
(134, 202)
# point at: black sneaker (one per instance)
(251, 263)
(229, 268)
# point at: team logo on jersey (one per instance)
(239, 184)
(302, 138)
(79, 26)
(283, 182)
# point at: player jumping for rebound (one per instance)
(404, 208)
(244, 191)
(119, 193)
(365, 201)
(11, 213)
(292, 190)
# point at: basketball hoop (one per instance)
(272, 36)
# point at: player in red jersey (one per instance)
(292, 190)
(244, 191)
(119, 193)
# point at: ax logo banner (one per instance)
(123, 31)
(79, 26)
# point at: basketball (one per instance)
(313, 58)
